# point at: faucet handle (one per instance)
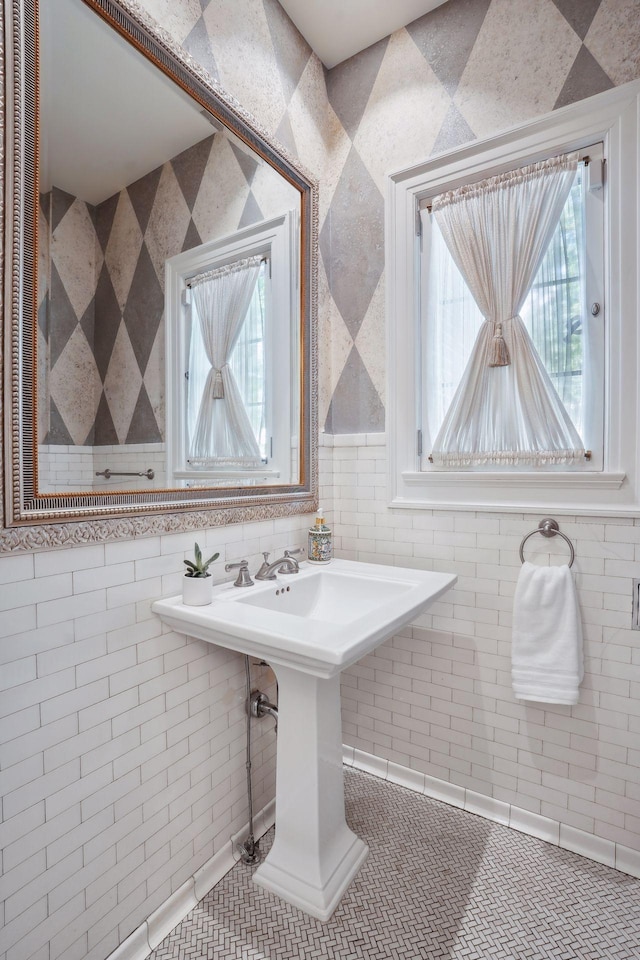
(294, 566)
(265, 566)
(244, 577)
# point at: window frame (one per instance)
(275, 240)
(612, 118)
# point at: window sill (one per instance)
(589, 494)
(268, 474)
(600, 481)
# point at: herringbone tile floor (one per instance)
(438, 883)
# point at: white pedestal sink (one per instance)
(309, 627)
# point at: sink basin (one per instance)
(309, 626)
(320, 620)
(328, 596)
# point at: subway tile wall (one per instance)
(437, 698)
(122, 744)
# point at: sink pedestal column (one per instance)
(315, 855)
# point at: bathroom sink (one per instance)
(319, 620)
(328, 595)
(309, 626)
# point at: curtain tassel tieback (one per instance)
(498, 350)
(217, 388)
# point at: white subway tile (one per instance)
(133, 592)
(123, 551)
(20, 774)
(40, 789)
(134, 676)
(70, 607)
(17, 672)
(15, 569)
(29, 592)
(35, 641)
(115, 573)
(17, 621)
(23, 935)
(70, 654)
(114, 791)
(42, 690)
(76, 790)
(173, 684)
(138, 756)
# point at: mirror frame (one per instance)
(31, 519)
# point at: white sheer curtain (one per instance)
(223, 434)
(505, 409)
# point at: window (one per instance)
(248, 362)
(245, 432)
(557, 314)
(581, 312)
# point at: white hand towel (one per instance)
(546, 652)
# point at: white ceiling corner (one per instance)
(337, 30)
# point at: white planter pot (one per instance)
(197, 591)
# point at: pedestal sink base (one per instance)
(318, 902)
(315, 855)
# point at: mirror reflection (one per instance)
(168, 281)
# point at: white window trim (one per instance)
(612, 117)
(275, 239)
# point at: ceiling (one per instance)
(338, 29)
(125, 117)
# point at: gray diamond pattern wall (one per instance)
(106, 321)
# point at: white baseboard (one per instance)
(162, 921)
(569, 838)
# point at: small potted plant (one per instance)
(196, 586)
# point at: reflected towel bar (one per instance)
(107, 474)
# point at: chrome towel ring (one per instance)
(548, 528)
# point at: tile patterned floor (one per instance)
(438, 883)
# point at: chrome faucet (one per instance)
(284, 564)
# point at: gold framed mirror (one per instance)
(160, 289)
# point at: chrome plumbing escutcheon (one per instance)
(260, 706)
